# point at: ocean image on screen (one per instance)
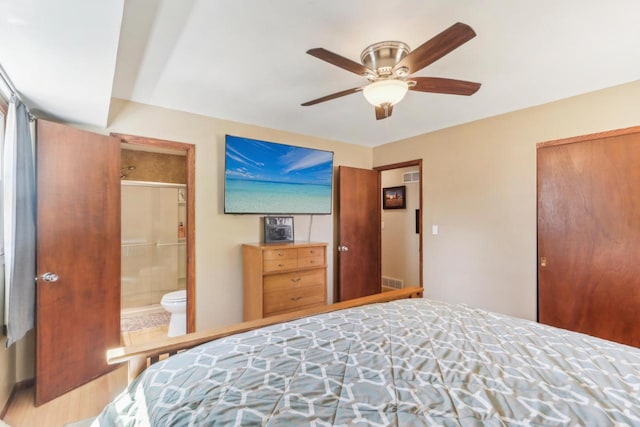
(268, 178)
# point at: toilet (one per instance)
(176, 304)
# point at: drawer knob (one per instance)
(295, 298)
(312, 252)
(281, 265)
(280, 253)
(296, 280)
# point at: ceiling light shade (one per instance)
(385, 91)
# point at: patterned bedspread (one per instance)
(407, 363)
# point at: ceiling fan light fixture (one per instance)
(389, 91)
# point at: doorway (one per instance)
(359, 229)
(79, 245)
(401, 225)
(399, 228)
(157, 180)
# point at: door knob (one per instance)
(50, 277)
(343, 248)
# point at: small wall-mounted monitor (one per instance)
(263, 177)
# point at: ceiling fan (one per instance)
(387, 65)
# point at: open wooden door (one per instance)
(588, 234)
(78, 291)
(359, 239)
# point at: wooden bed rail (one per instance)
(141, 356)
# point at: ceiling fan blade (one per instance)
(340, 61)
(434, 49)
(332, 96)
(439, 85)
(383, 111)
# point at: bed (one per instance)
(407, 362)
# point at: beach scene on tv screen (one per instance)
(269, 178)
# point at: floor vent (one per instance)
(390, 282)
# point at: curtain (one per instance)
(19, 203)
(3, 318)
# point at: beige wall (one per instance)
(219, 236)
(25, 366)
(479, 187)
(400, 243)
(7, 371)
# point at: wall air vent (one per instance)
(409, 177)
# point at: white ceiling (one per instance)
(245, 60)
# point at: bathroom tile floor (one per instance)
(144, 321)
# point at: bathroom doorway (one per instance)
(157, 273)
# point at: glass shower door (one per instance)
(151, 248)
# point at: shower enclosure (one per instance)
(153, 244)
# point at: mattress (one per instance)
(410, 362)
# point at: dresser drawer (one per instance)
(287, 281)
(291, 299)
(271, 254)
(311, 261)
(280, 264)
(311, 252)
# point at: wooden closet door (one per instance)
(589, 235)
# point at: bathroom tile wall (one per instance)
(154, 167)
(153, 253)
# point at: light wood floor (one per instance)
(85, 401)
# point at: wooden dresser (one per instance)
(278, 278)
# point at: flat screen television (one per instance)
(263, 177)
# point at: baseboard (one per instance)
(16, 388)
